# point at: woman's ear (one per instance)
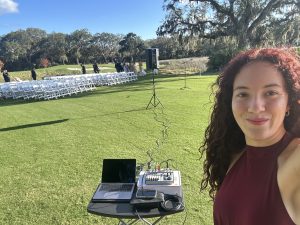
(287, 110)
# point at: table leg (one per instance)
(122, 222)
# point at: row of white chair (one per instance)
(44, 89)
(59, 86)
(101, 79)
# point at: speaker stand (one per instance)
(154, 101)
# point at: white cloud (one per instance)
(8, 6)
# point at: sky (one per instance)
(141, 17)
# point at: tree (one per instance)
(53, 47)
(172, 47)
(17, 48)
(104, 46)
(78, 43)
(287, 32)
(34, 36)
(167, 46)
(241, 19)
(132, 46)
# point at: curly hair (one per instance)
(223, 137)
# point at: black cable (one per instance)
(185, 215)
(140, 218)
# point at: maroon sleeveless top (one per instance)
(249, 194)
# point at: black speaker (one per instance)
(152, 55)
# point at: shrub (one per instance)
(218, 59)
(44, 62)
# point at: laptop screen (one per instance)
(118, 170)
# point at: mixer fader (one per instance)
(159, 177)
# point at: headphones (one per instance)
(171, 203)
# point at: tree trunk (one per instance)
(243, 39)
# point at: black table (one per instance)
(123, 211)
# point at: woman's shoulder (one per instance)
(290, 157)
(288, 180)
(293, 148)
(295, 152)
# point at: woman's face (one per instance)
(259, 103)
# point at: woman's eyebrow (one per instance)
(240, 87)
(272, 85)
(266, 86)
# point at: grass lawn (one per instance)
(51, 151)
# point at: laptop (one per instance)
(118, 181)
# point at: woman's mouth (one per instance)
(258, 121)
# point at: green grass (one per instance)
(51, 151)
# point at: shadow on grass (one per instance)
(110, 114)
(32, 125)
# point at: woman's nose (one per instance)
(256, 105)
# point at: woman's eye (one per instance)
(271, 93)
(242, 95)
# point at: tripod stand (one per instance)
(154, 99)
(185, 77)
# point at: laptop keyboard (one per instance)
(116, 187)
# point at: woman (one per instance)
(6, 76)
(83, 69)
(252, 144)
(33, 73)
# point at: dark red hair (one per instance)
(223, 138)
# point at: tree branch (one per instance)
(221, 9)
(266, 10)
